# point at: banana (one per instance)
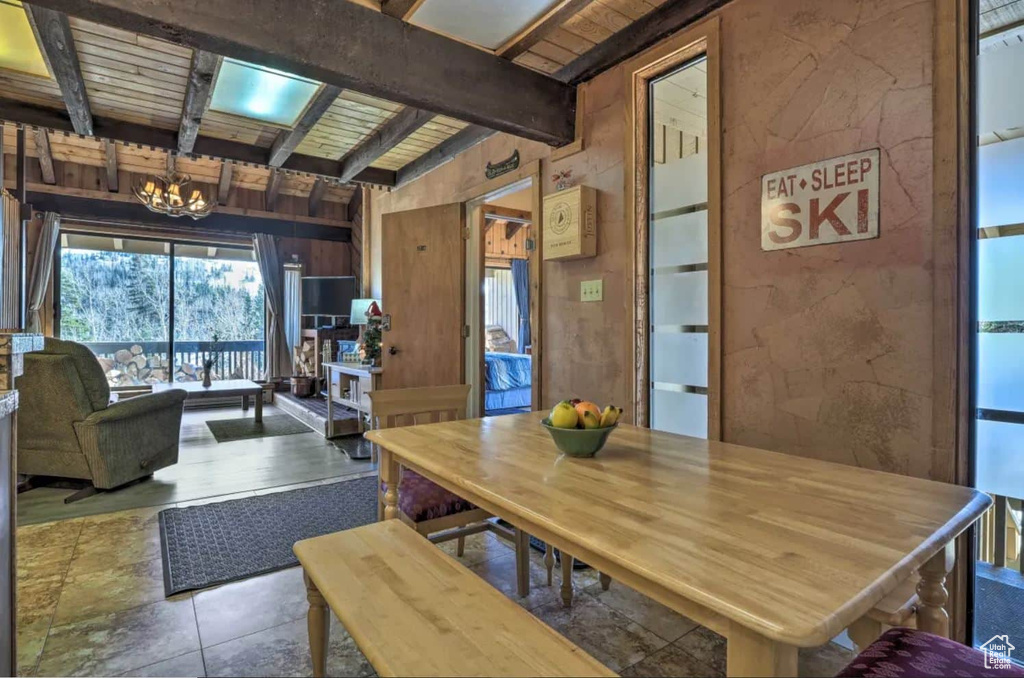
(610, 416)
(590, 420)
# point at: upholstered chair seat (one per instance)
(421, 499)
(909, 653)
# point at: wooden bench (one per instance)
(414, 610)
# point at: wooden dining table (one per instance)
(773, 551)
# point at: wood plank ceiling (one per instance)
(134, 78)
(1001, 23)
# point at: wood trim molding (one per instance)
(702, 39)
(953, 242)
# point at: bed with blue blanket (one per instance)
(507, 383)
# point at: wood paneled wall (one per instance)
(828, 351)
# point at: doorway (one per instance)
(507, 237)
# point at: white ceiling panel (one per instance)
(487, 23)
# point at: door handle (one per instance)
(392, 350)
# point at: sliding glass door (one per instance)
(114, 297)
(218, 312)
(121, 297)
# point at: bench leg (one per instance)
(549, 560)
(863, 632)
(931, 612)
(318, 622)
(606, 581)
(259, 407)
(522, 544)
(460, 546)
(245, 404)
(567, 562)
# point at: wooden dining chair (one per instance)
(428, 508)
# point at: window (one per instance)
(121, 296)
(678, 251)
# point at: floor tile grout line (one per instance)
(199, 634)
(253, 633)
(63, 577)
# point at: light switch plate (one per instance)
(592, 290)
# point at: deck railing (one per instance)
(999, 534)
(132, 363)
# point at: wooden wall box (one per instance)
(570, 224)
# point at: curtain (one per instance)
(292, 312)
(278, 363)
(521, 280)
(42, 269)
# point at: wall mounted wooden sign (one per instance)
(496, 169)
(825, 202)
(570, 224)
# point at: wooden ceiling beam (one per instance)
(390, 134)
(442, 153)
(224, 186)
(541, 28)
(635, 38)
(288, 140)
(377, 55)
(110, 150)
(201, 76)
(53, 32)
(45, 156)
(316, 194)
(133, 133)
(273, 188)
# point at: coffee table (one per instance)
(220, 389)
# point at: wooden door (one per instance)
(423, 263)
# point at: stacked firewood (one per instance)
(304, 359)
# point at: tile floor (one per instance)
(91, 603)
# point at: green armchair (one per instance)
(68, 428)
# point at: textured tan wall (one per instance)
(827, 350)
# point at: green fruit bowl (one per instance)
(578, 442)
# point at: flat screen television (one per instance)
(328, 296)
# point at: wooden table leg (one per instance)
(549, 560)
(259, 406)
(606, 580)
(748, 653)
(318, 621)
(567, 562)
(245, 403)
(388, 470)
(522, 544)
(931, 611)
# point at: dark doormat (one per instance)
(226, 430)
(999, 599)
(217, 543)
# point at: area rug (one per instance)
(226, 430)
(230, 540)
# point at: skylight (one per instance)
(19, 50)
(487, 23)
(261, 93)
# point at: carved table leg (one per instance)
(567, 561)
(549, 560)
(606, 581)
(931, 611)
(388, 470)
(318, 621)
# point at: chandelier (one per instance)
(172, 195)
